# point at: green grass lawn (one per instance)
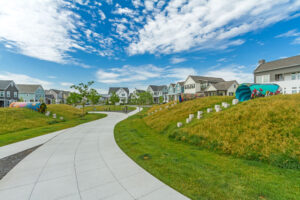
(202, 174)
(19, 124)
(109, 108)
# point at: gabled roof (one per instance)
(278, 64)
(115, 89)
(139, 91)
(198, 79)
(172, 85)
(225, 85)
(26, 88)
(181, 83)
(5, 83)
(158, 87)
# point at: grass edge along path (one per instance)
(18, 136)
(199, 173)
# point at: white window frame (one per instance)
(15, 94)
(2, 93)
(8, 94)
(294, 90)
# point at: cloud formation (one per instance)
(135, 74)
(211, 24)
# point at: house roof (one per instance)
(278, 64)
(181, 83)
(115, 89)
(198, 79)
(24, 88)
(4, 84)
(225, 85)
(172, 84)
(57, 91)
(139, 91)
(158, 87)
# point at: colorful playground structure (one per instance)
(247, 91)
(39, 107)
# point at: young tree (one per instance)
(21, 99)
(94, 97)
(74, 98)
(161, 99)
(114, 98)
(84, 92)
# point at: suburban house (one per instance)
(8, 92)
(60, 96)
(158, 91)
(49, 99)
(31, 93)
(226, 88)
(198, 84)
(284, 72)
(136, 92)
(123, 93)
(171, 92)
(179, 89)
(104, 98)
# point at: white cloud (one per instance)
(24, 79)
(291, 33)
(41, 29)
(232, 73)
(52, 77)
(212, 24)
(129, 74)
(66, 84)
(176, 60)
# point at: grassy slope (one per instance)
(20, 123)
(263, 129)
(201, 174)
(164, 118)
(108, 108)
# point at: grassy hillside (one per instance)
(20, 123)
(201, 174)
(265, 129)
(164, 118)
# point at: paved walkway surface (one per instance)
(83, 162)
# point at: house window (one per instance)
(279, 77)
(294, 90)
(1, 93)
(8, 93)
(298, 76)
(294, 76)
(15, 94)
(263, 79)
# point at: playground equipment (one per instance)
(246, 91)
(39, 107)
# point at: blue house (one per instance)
(171, 92)
(31, 93)
(179, 89)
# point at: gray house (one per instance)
(284, 72)
(8, 92)
(225, 88)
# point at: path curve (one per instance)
(85, 163)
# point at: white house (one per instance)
(122, 92)
(226, 88)
(284, 72)
(158, 91)
(198, 84)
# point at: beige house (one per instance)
(198, 84)
(225, 88)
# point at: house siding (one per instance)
(6, 100)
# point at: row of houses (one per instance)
(206, 86)
(11, 92)
(284, 72)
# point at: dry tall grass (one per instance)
(263, 129)
(163, 118)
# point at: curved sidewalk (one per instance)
(83, 162)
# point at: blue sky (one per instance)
(134, 43)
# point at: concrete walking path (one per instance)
(83, 162)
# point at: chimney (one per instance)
(261, 62)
